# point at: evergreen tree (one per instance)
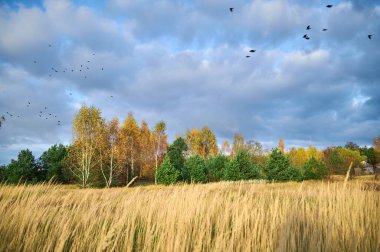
(167, 174)
(314, 169)
(241, 167)
(53, 163)
(176, 154)
(215, 166)
(277, 167)
(23, 169)
(195, 170)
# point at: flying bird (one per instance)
(308, 27)
(71, 93)
(111, 96)
(247, 56)
(102, 69)
(329, 5)
(324, 29)
(49, 45)
(35, 61)
(252, 51)
(231, 9)
(306, 37)
(370, 36)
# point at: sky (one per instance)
(184, 62)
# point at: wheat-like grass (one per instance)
(240, 216)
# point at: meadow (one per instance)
(224, 216)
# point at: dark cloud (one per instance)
(184, 62)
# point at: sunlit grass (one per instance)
(310, 216)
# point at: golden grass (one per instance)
(224, 216)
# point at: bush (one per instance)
(315, 169)
(277, 167)
(241, 167)
(215, 167)
(166, 173)
(195, 170)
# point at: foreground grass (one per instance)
(215, 217)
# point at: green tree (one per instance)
(23, 169)
(215, 166)
(3, 173)
(53, 161)
(195, 170)
(277, 167)
(241, 167)
(176, 154)
(293, 173)
(370, 154)
(315, 169)
(167, 174)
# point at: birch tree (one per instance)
(87, 129)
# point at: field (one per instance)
(240, 216)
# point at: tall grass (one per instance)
(214, 217)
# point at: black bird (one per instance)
(81, 65)
(252, 51)
(40, 116)
(71, 93)
(40, 112)
(49, 114)
(93, 54)
(329, 6)
(88, 68)
(324, 29)
(80, 70)
(102, 69)
(49, 75)
(56, 71)
(231, 9)
(46, 118)
(88, 61)
(306, 37)
(370, 36)
(247, 56)
(45, 107)
(49, 45)
(34, 61)
(308, 27)
(111, 96)
(85, 77)
(72, 70)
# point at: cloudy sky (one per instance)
(184, 62)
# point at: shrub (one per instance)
(215, 167)
(166, 173)
(195, 170)
(241, 167)
(314, 169)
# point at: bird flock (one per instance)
(308, 27)
(44, 113)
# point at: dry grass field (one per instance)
(246, 216)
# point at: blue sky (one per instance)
(185, 62)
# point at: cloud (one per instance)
(184, 62)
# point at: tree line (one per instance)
(109, 153)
